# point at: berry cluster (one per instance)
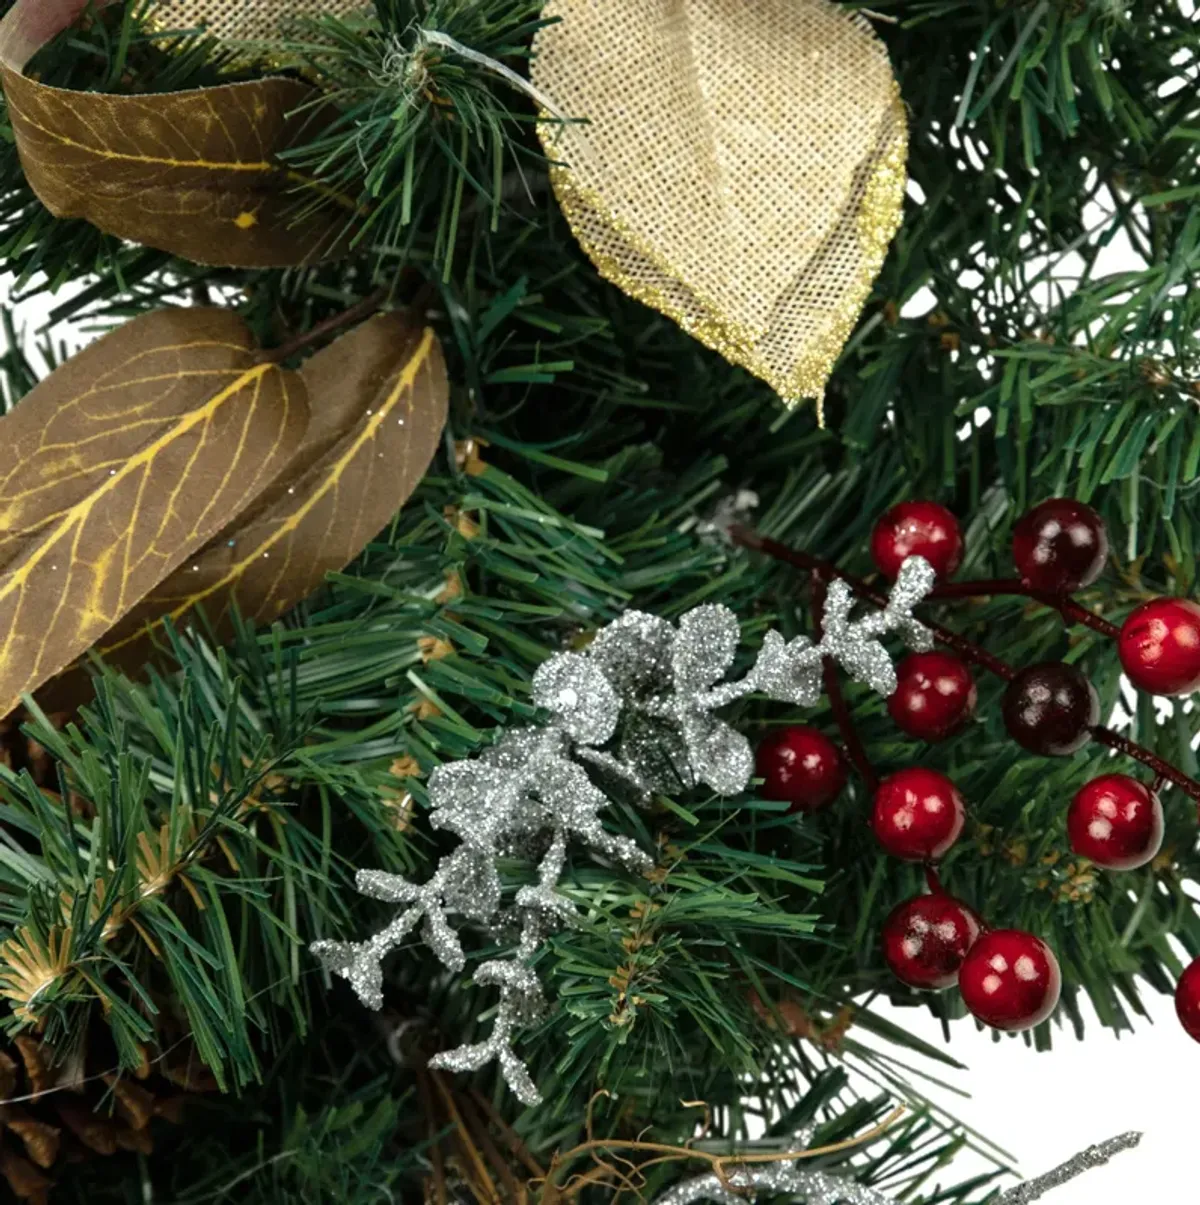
(1008, 979)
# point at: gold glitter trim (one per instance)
(635, 222)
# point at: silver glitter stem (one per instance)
(1094, 1156)
(820, 1188)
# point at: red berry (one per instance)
(1116, 822)
(926, 939)
(1010, 979)
(918, 814)
(935, 695)
(1160, 646)
(1050, 709)
(917, 529)
(1060, 546)
(800, 766)
(1187, 1000)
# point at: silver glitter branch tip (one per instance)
(822, 1188)
(635, 711)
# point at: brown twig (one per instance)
(370, 305)
(855, 749)
(721, 1164)
(1064, 604)
(967, 650)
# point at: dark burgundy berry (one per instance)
(934, 697)
(802, 767)
(1116, 822)
(1060, 546)
(918, 814)
(926, 939)
(1010, 979)
(917, 529)
(1160, 646)
(1050, 709)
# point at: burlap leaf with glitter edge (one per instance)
(246, 20)
(738, 167)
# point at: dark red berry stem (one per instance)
(932, 880)
(1163, 769)
(1064, 604)
(969, 652)
(855, 750)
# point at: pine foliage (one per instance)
(205, 822)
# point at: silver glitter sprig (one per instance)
(636, 711)
(818, 1187)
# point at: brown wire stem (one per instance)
(1064, 604)
(966, 649)
(1163, 770)
(370, 305)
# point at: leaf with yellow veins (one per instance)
(379, 399)
(125, 461)
(196, 174)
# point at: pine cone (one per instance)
(64, 1109)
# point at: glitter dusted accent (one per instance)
(636, 709)
(758, 225)
(822, 1188)
(1094, 1156)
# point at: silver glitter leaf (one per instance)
(634, 654)
(721, 757)
(705, 647)
(576, 692)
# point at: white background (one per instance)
(1044, 1108)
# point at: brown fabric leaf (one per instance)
(196, 174)
(379, 407)
(126, 460)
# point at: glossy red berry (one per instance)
(1010, 979)
(1050, 709)
(926, 939)
(934, 697)
(1116, 822)
(802, 767)
(917, 529)
(918, 814)
(1059, 546)
(1160, 646)
(1187, 1000)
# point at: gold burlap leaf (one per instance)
(738, 165)
(243, 20)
